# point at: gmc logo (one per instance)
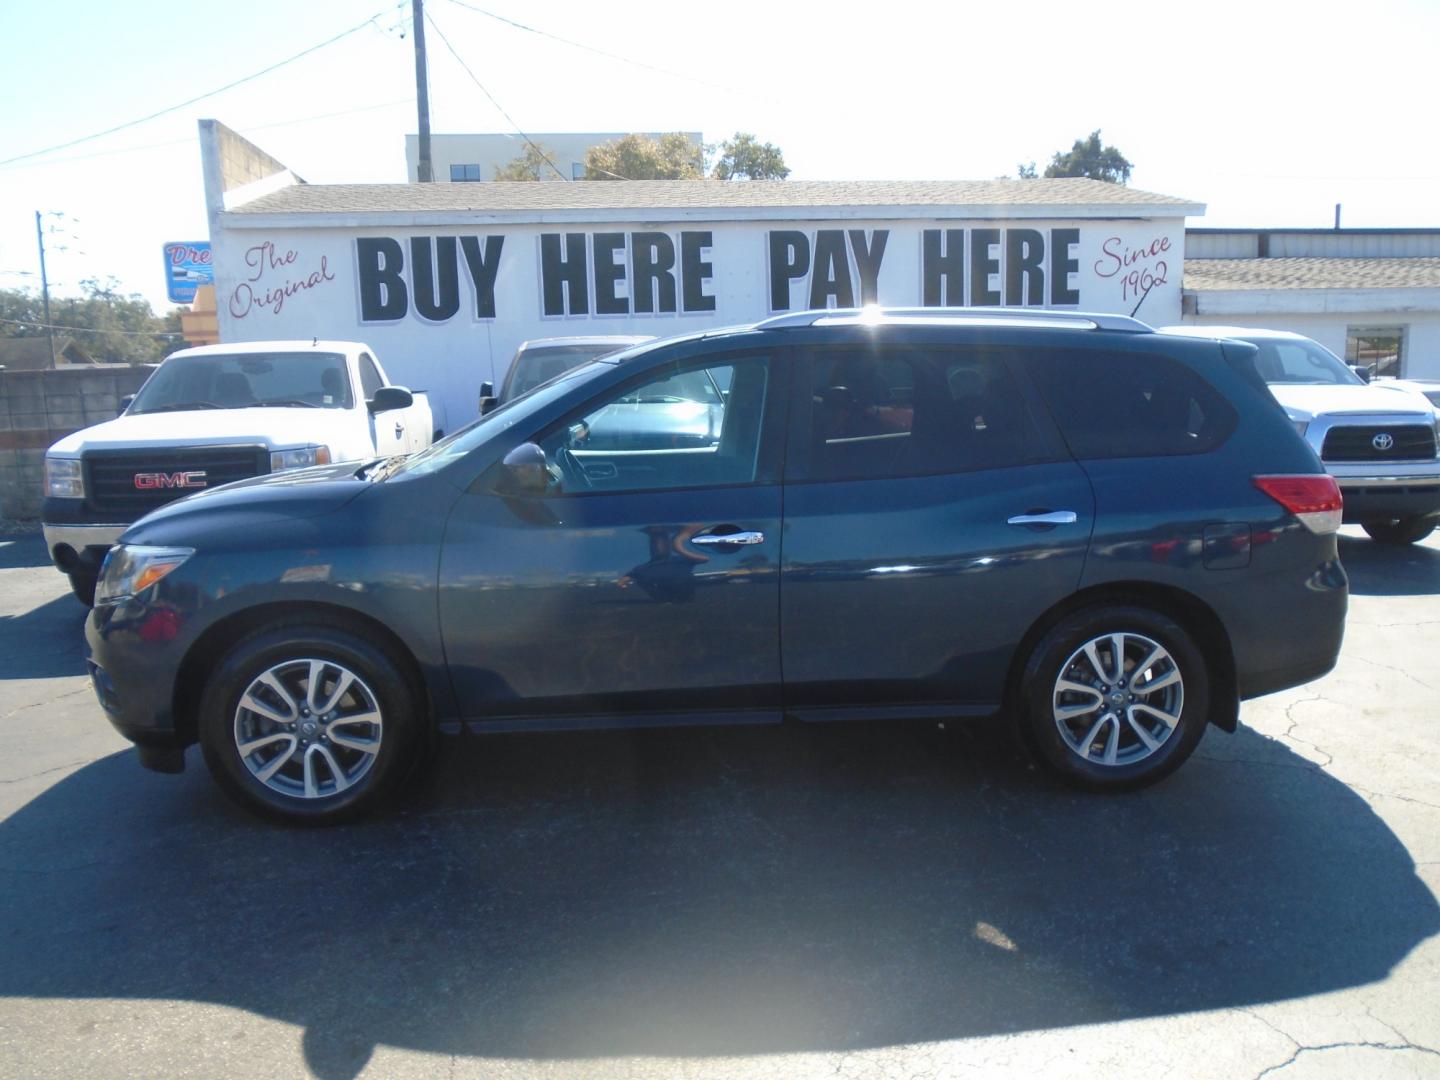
(149, 481)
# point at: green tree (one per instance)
(639, 157)
(1089, 157)
(114, 327)
(530, 165)
(745, 157)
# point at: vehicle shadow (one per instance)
(42, 643)
(22, 549)
(713, 892)
(1390, 569)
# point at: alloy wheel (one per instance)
(1118, 699)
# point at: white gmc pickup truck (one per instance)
(214, 414)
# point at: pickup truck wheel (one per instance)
(309, 723)
(82, 584)
(1410, 530)
(1115, 697)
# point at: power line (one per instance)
(198, 97)
(609, 55)
(90, 330)
(190, 141)
(533, 145)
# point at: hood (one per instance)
(279, 427)
(287, 496)
(1305, 402)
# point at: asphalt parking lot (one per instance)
(847, 900)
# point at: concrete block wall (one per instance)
(39, 407)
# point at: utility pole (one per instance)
(45, 286)
(424, 172)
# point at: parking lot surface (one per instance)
(842, 900)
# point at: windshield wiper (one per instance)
(180, 406)
(282, 403)
(380, 468)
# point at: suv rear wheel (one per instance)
(1409, 530)
(1115, 697)
(309, 723)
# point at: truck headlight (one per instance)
(64, 479)
(132, 568)
(303, 458)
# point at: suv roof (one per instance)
(950, 316)
(1231, 332)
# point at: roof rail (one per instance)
(851, 316)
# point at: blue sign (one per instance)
(186, 267)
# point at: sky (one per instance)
(1268, 112)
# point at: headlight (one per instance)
(132, 568)
(280, 460)
(63, 478)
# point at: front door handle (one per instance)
(399, 429)
(738, 538)
(1053, 517)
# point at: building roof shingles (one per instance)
(502, 197)
(1242, 275)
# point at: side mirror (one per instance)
(390, 397)
(1363, 370)
(488, 400)
(125, 403)
(527, 472)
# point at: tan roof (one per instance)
(661, 195)
(33, 353)
(1238, 275)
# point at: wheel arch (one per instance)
(1186, 608)
(218, 639)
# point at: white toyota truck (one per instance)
(215, 414)
(1381, 443)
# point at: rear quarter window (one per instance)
(1111, 405)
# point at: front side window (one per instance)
(914, 412)
(370, 380)
(1379, 348)
(682, 427)
(1111, 405)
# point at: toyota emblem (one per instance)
(1382, 442)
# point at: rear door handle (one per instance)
(1053, 517)
(738, 538)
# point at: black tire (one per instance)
(82, 584)
(1039, 697)
(377, 673)
(1410, 530)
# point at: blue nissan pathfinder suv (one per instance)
(1111, 535)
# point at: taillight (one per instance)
(1312, 497)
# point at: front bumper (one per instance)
(133, 654)
(1368, 498)
(75, 540)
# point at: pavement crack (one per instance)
(47, 701)
(46, 772)
(1302, 1050)
(1397, 671)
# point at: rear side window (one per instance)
(1111, 405)
(915, 412)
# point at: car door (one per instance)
(643, 587)
(386, 428)
(931, 515)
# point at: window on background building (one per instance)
(577, 170)
(1380, 348)
(462, 173)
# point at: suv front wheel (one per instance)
(1115, 697)
(309, 723)
(1408, 530)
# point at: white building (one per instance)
(1371, 296)
(445, 280)
(462, 158)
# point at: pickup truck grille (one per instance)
(125, 484)
(1408, 442)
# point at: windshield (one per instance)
(242, 380)
(459, 443)
(541, 364)
(1288, 361)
